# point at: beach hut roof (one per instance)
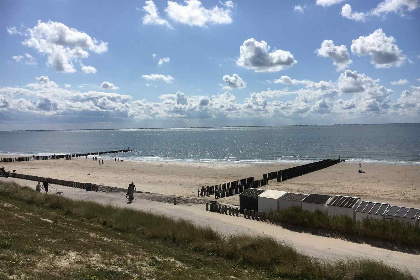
(364, 206)
(294, 196)
(343, 201)
(412, 213)
(402, 212)
(382, 209)
(316, 198)
(273, 194)
(254, 193)
(393, 210)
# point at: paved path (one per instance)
(323, 248)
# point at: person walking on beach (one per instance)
(46, 186)
(130, 192)
(38, 187)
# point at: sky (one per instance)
(70, 64)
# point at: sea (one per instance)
(384, 144)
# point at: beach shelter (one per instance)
(392, 211)
(372, 210)
(291, 199)
(249, 199)
(269, 200)
(341, 205)
(315, 202)
(407, 215)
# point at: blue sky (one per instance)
(114, 64)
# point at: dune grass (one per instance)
(52, 237)
(391, 231)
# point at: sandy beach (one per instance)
(395, 184)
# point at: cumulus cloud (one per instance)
(88, 69)
(194, 14)
(152, 16)
(233, 82)
(108, 86)
(383, 51)
(158, 77)
(43, 83)
(338, 54)
(395, 6)
(400, 82)
(347, 12)
(67, 86)
(163, 60)
(299, 9)
(256, 55)
(409, 102)
(400, 7)
(17, 58)
(327, 3)
(289, 81)
(29, 59)
(61, 44)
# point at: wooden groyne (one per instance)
(239, 186)
(72, 184)
(60, 156)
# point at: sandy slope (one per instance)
(328, 249)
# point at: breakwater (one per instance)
(239, 186)
(60, 156)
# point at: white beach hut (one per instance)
(268, 200)
(291, 199)
(372, 210)
(341, 205)
(315, 202)
(393, 210)
(410, 216)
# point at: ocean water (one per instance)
(388, 144)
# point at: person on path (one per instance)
(130, 191)
(38, 187)
(46, 186)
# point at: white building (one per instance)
(291, 199)
(268, 200)
(410, 216)
(372, 210)
(341, 205)
(315, 202)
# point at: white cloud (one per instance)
(163, 60)
(327, 3)
(399, 7)
(347, 12)
(256, 56)
(395, 6)
(194, 14)
(158, 77)
(17, 58)
(154, 55)
(233, 82)
(67, 86)
(383, 51)
(62, 44)
(400, 82)
(152, 16)
(108, 86)
(409, 102)
(30, 60)
(43, 83)
(289, 81)
(299, 9)
(338, 54)
(88, 69)
(12, 30)
(418, 79)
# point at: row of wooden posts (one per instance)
(72, 184)
(239, 186)
(65, 156)
(230, 210)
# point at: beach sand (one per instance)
(395, 184)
